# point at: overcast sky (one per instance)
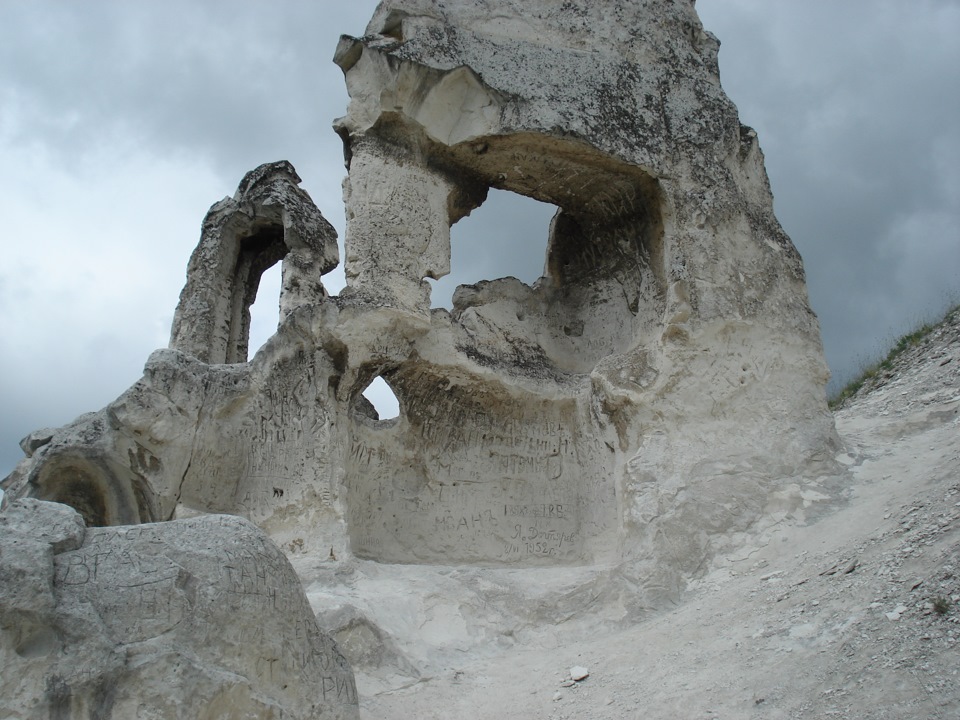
(122, 122)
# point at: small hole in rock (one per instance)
(383, 399)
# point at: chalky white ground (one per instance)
(828, 619)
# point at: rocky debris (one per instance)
(366, 646)
(200, 618)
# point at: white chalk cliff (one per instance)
(657, 392)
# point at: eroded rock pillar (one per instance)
(398, 226)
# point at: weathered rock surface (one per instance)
(659, 391)
(661, 383)
(200, 618)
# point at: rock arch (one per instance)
(103, 491)
(269, 219)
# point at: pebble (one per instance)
(579, 673)
(896, 613)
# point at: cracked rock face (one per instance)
(199, 618)
(659, 389)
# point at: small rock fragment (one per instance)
(578, 673)
(896, 612)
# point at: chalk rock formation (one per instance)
(659, 389)
(268, 219)
(194, 619)
(662, 381)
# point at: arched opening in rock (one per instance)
(505, 237)
(84, 495)
(259, 251)
(381, 399)
(103, 490)
(265, 311)
(269, 219)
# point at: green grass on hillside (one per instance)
(911, 339)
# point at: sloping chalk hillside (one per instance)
(852, 615)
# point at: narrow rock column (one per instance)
(398, 227)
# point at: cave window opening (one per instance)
(505, 237)
(379, 394)
(265, 310)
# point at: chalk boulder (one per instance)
(201, 618)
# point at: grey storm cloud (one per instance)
(228, 80)
(855, 104)
(120, 123)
